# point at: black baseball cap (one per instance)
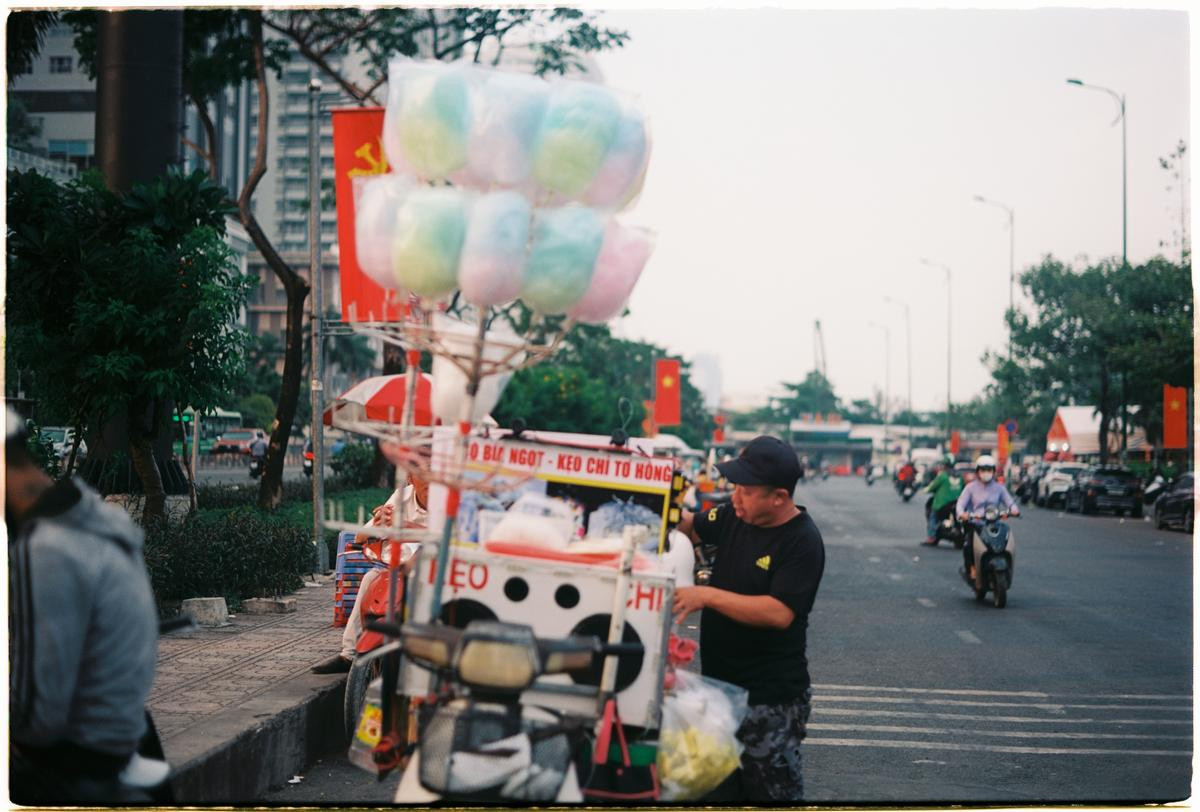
(765, 460)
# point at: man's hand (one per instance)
(383, 516)
(687, 600)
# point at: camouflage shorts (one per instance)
(771, 761)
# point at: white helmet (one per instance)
(985, 461)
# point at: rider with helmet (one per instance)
(979, 494)
(946, 488)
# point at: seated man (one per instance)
(413, 502)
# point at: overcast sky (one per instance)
(805, 160)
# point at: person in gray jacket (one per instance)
(83, 634)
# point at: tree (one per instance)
(124, 303)
(813, 395)
(26, 32)
(22, 129)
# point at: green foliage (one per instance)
(22, 129)
(257, 411)
(41, 449)
(813, 395)
(24, 33)
(578, 388)
(352, 463)
(114, 301)
(236, 554)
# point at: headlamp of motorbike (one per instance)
(990, 514)
(497, 656)
(432, 646)
(572, 654)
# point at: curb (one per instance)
(237, 755)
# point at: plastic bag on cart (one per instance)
(698, 744)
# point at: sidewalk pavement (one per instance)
(236, 706)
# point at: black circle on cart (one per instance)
(516, 589)
(567, 596)
(628, 665)
(461, 611)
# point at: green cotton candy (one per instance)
(579, 127)
(435, 120)
(566, 243)
(430, 227)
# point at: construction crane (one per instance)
(819, 351)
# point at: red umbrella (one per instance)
(382, 398)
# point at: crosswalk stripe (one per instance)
(988, 748)
(1050, 706)
(971, 692)
(819, 711)
(1010, 734)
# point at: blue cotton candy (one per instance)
(618, 179)
(566, 242)
(504, 128)
(434, 120)
(429, 231)
(576, 133)
(493, 255)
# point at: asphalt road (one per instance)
(1078, 691)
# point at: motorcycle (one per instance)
(477, 743)
(256, 467)
(1154, 490)
(308, 464)
(993, 549)
(905, 488)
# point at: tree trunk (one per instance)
(143, 422)
(1103, 405)
(270, 491)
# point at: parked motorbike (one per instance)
(993, 549)
(477, 742)
(256, 467)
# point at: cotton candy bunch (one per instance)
(377, 200)
(431, 225)
(619, 264)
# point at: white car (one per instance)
(1054, 483)
(62, 438)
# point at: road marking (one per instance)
(985, 748)
(929, 761)
(969, 692)
(1011, 734)
(895, 576)
(928, 604)
(820, 711)
(967, 637)
(874, 559)
(1052, 707)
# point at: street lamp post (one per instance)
(948, 335)
(908, 352)
(1120, 98)
(887, 386)
(315, 277)
(1011, 249)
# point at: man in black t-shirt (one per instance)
(754, 618)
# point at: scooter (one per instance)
(308, 464)
(905, 488)
(993, 549)
(477, 742)
(256, 467)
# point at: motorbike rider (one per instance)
(258, 448)
(82, 642)
(979, 494)
(946, 488)
(906, 474)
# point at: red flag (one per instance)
(648, 427)
(1001, 445)
(1175, 413)
(666, 392)
(955, 442)
(358, 150)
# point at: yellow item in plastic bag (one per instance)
(694, 761)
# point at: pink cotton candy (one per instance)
(622, 257)
(620, 177)
(377, 200)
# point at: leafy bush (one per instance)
(235, 554)
(353, 464)
(41, 449)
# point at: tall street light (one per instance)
(908, 352)
(1120, 98)
(887, 385)
(1011, 244)
(932, 264)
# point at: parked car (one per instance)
(62, 438)
(1052, 487)
(235, 441)
(1176, 506)
(1112, 488)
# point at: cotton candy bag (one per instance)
(377, 200)
(428, 117)
(566, 242)
(619, 265)
(493, 254)
(431, 224)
